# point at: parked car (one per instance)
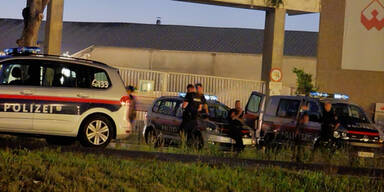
(61, 98)
(275, 120)
(164, 117)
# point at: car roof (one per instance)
(336, 101)
(292, 97)
(57, 58)
(182, 98)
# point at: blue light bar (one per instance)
(22, 51)
(329, 95)
(207, 97)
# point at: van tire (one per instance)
(96, 131)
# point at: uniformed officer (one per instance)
(235, 118)
(190, 111)
(200, 97)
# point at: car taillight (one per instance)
(125, 100)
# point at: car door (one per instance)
(16, 96)
(61, 98)
(313, 128)
(286, 116)
(165, 119)
(254, 111)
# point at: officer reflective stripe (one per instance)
(62, 99)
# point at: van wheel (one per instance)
(57, 140)
(97, 131)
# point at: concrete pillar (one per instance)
(54, 27)
(273, 48)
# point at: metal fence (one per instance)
(227, 90)
(169, 83)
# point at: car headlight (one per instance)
(344, 134)
(336, 134)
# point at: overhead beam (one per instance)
(292, 6)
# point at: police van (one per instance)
(62, 98)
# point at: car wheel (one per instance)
(150, 137)
(57, 140)
(97, 131)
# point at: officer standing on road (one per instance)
(132, 105)
(190, 112)
(328, 125)
(329, 122)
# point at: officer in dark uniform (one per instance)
(200, 97)
(328, 125)
(235, 118)
(190, 112)
(329, 122)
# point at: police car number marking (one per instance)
(31, 108)
(100, 84)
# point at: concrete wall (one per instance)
(241, 66)
(364, 87)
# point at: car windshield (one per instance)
(218, 111)
(347, 112)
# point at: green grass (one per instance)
(52, 170)
(341, 157)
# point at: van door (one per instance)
(16, 96)
(63, 96)
(312, 130)
(254, 110)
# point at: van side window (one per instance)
(73, 76)
(19, 73)
(254, 103)
(288, 108)
(100, 80)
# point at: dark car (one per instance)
(356, 129)
(275, 120)
(164, 117)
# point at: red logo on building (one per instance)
(373, 15)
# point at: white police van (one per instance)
(62, 98)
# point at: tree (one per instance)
(304, 82)
(33, 15)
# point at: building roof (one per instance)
(80, 35)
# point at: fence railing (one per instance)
(227, 90)
(169, 83)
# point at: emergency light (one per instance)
(22, 51)
(329, 95)
(207, 97)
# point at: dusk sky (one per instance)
(171, 12)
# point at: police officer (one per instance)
(235, 116)
(201, 99)
(329, 122)
(190, 112)
(328, 125)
